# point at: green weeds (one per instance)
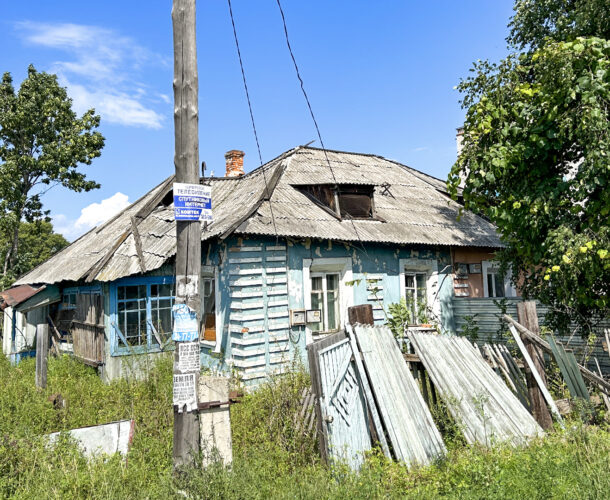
(271, 458)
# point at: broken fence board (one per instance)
(408, 422)
(530, 362)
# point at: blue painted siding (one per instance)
(259, 280)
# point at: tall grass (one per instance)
(271, 459)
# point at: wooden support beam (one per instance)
(42, 353)
(529, 318)
(138, 242)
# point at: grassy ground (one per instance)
(270, 459)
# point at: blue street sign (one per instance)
(192, 202)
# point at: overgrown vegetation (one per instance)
(271, 460)
(535, 155)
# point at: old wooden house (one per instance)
(293, 244)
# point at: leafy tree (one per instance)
(37, 242)
(535, 157)
(43, 143)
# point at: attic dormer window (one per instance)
(345, 201)
(356, 202)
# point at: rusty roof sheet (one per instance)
(18, 294)
(413, 207)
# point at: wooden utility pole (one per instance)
(186, 161)
(42, 354)
(528, 317)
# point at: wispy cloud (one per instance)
(90, 216)
(420, 149)
(99, 68)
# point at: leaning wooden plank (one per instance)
(544, 345)
(409, 424)
(576, 376)
(530, 362)
(96, 269)
(138, 242)
(368, 394)
(606, 399)
(516, 374)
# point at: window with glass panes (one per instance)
(415, 294)
(325, 296)
(144, 313)
(495, 283)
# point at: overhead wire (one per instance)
(315, 122)
(258, 147)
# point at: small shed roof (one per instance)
(414, 207)
(18, 294)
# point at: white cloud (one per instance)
(90, 216)
(99, 71)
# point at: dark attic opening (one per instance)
(345, 201)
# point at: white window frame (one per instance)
(491, 267)
(324, 275)
(430, 267)
(341, 265)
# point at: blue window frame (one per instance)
(141, 314)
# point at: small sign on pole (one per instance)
(186, 326)
(192, 202)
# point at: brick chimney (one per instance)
(235, 163)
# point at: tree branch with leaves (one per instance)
(42, 143)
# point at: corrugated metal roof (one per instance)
(17, 295)
(413, 208)
(478, 399)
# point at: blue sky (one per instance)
(380, 77)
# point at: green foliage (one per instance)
(37, 242)
(470, 328)
(402, 313)
(537, 21)
(271, 460)
(43, 143)
(535, 156)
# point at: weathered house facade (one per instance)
(293, 244)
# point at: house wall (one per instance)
(261, 279)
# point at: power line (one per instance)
(258, 147)
(296, 67)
